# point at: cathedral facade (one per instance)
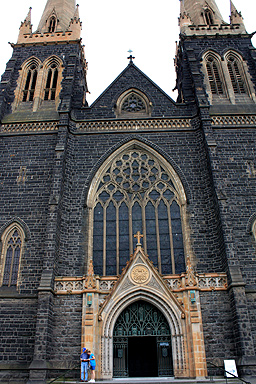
(130, 224)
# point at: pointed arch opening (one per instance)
(137, 190)
(141, 326)
(167, 311)
(236, 74)
(208, 16)
(52, 78)
(52, 24)
(12, 246)
(27, 82)
(133, 103)
(214, 78)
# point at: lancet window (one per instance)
(51, 82)
(30, 83)
(214, 77)
(208, 17)
(11, 255)
(236, 75)
(52, 24)
(136, 193)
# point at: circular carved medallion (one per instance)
(140, 274)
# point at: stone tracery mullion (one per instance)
(137, 178)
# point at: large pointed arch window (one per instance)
(12, 244)
(136, 193)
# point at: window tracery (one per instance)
(236, 75)
(12, 241)
(133, 102)
(51, 82)
(227, 80)
(214, 76)
(30, 84)
(137, 194)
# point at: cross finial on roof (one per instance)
(138, 236)
(130, 57)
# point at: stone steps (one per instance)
(156, 380)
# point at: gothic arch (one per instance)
(214, 77)
(21, 223)
(51, 80)
(138, 142)
(133, 102)
(154, 205)
(28, 81)
(168, 308)
(136, 139)
(12, 243)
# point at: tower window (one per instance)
(236, 76)
(51, 83)
(30, 85)
(208, 17)
(52, 25)
(214, 76)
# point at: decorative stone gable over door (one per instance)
(140, 281)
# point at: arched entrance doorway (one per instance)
(142, 342)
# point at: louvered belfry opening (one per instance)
(214, 76)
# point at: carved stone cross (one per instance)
(138, 236)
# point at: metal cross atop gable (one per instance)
(131, 56)
(138, 236)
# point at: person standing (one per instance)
(92, 361)
(84, 365)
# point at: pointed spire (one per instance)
(197, 10)
(28, 18)
(236, 17)
(184, 19)
(26, 26)
(62, 10)
(76, 15)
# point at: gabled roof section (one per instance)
(64, 9)
(133, 79)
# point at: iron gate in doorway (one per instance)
(142, 342)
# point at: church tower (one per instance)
(129, 224)
(38, 76)
(216, 68)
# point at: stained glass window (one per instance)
(12, 259)
(137, 194)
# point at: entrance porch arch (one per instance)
(168, 308)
